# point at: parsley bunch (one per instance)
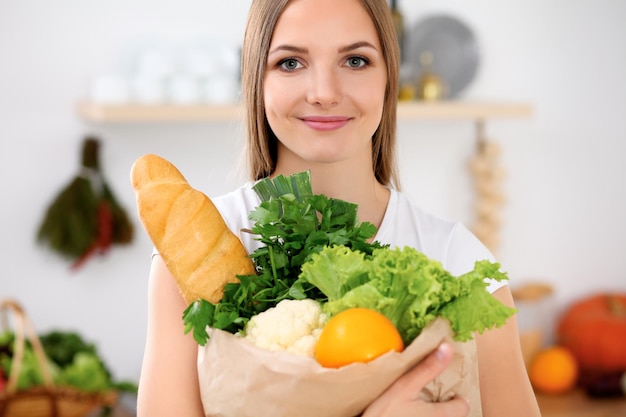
(292, 223)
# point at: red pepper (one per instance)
(104, 238)
(3, 381)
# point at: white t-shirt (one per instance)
(404, 224)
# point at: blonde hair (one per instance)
(261, 141)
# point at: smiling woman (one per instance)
(359, 55)
(320, 87)
(314, 83)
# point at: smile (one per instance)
(325, 122)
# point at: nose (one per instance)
(324, 88)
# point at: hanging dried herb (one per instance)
(85, 218)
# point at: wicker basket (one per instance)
(47, 400)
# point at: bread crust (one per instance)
(187, 230)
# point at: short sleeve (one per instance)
(464, 250)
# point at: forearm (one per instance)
(168, 385)
(504, 384)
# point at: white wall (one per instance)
(565, 169)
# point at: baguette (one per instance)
(187, 230)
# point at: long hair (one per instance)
(261, 143)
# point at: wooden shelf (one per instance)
(444, 110)
(114, 113)
(462, 110)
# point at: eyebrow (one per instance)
(343, 49)
(289, 48)
(357, 45)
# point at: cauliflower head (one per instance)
(292, 325)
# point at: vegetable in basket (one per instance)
(73, 362)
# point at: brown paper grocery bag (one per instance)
(238, 379)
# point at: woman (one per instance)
(320, 84)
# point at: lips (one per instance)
(325, 123)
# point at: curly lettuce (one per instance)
(409, 288)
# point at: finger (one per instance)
(457, 407)
(428, 369)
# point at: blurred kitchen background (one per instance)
(562, 221)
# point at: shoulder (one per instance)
(241, 198)
(449, 242)
(235, 206)
(406, 224)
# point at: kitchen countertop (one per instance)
(574, 404)
(578, 404)
(117, 411)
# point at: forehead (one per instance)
(326, 22)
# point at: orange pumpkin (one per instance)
(594, 329)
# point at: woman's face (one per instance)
(325, 82)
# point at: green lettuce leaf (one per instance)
(475, 309)
(407, 287)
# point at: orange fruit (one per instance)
(356, 335)
(554, 370)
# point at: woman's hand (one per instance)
(401, 399)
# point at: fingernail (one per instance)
(440, 353)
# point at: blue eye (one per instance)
(289, 64)
(357, 62)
